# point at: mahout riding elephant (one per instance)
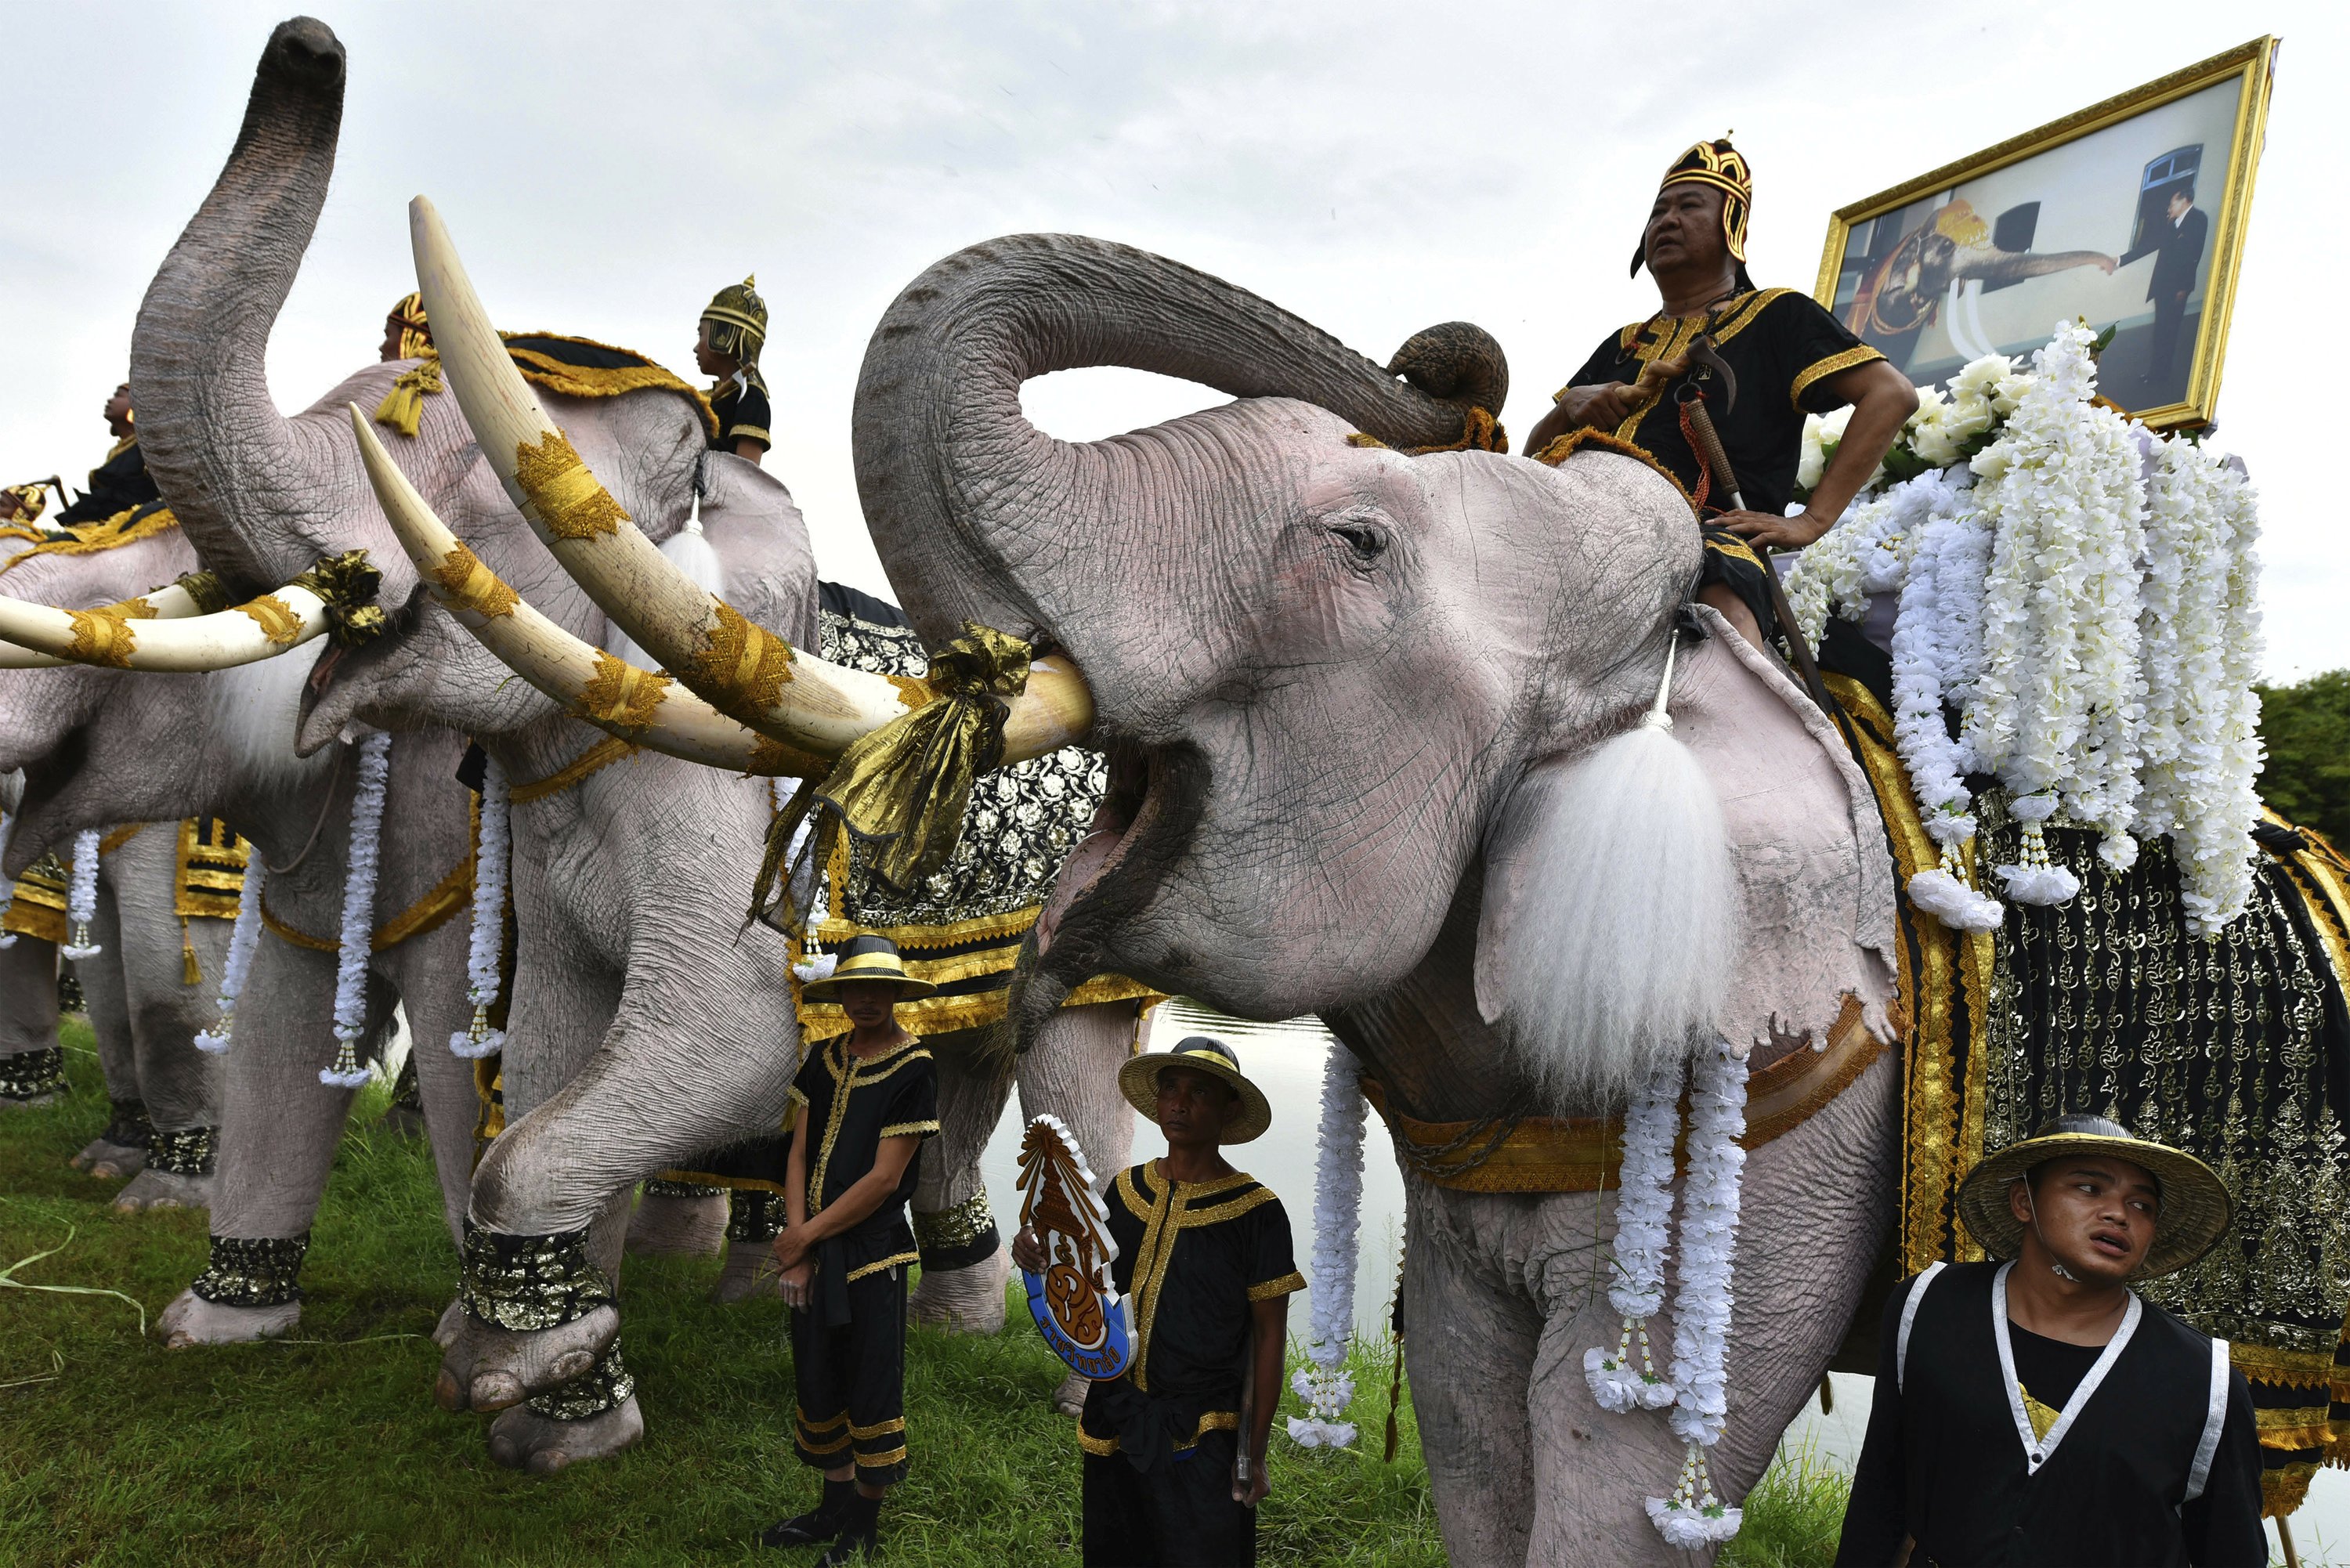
(96, 743)
(1344, 690)
(648, 1022)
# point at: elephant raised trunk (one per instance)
(237, 475)
(937, 403)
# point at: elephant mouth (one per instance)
(1142, 828)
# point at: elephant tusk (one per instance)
(134, 634)
(611, 693)
(741, 669)
(172, 602)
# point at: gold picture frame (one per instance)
(1927, 258)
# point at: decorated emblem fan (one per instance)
(1077, 1308)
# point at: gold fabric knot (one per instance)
(902, 790)
(1480, 431)
(204, 589)
(348, 584)
(402, 408)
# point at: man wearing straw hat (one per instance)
(1175, 1445)
(2035, 1409)
(864, 1102)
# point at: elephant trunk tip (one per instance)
(303, 54)
(1456, 362)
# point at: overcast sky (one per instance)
(605, 168)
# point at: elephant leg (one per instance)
(678, 1219)
(181, 1085)
(963, 1260)
(1470, 1343)
(279, 1129)
(121, 1149)
(32, 1064)
(453, 1108)
(1072, 1073)
(596, 1414)
(106, 999)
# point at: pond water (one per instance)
(1286, 1059)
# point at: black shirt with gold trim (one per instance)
(743, 414)
(1784, 350)
(116, 485)
(1193, 1258)
(848, 1104)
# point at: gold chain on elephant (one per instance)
(254, 1270)
(1431, 1160)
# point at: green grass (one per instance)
(327, 1448)
(1792, 1515)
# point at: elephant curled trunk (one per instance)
(951, 473)
(237, 474)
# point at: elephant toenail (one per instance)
(496, 1390)
(572, 1363)
(448, 1393)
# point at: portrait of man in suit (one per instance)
(2176, 247)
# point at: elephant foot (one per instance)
(670, 1225)
(153, 1189)
(452, 1318)
(1069, 1398)
(485, 1367)
(963, 1301)
(523, 1440)
(190, 1320)
(749, 1274)
(110, 1161)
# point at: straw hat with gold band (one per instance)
(1138, 1080)
(868, 958)
(2195, 1210)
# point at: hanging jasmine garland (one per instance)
(242, 938)
(81, 897)
(1325, 1385)
(1628, 1379)
(359, 913)
(485, 949)
(1694, 1516)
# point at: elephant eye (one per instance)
(1366, 541)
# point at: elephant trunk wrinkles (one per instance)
(937, 402)
(230, 466)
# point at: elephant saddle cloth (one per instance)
(2235, 1047)
(1193, 1258)
(847, 1104)
(207, 879)
(963, 927)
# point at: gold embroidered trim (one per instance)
(622, 694)
(836, 1057)
(890, 1262)
(1271, 1289)
(1567, 445)
(882, 1461)
(118, 837)
(212, 865)
(867, 1433)
(448, 896)
(1212, 1421)
(103, 636)
(126, 526)
(809, 1426)
(275, 618)
(909, 1129)
(568, 497)
(743, 666)
(1833, 364)
(603, 754)
(592, 381)
(472, 586)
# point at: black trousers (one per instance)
(851, 1382)
(2169, 315)
(1180, 1515)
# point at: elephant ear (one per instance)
(1815, 887)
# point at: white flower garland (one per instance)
(1325, 1385)
(2058, 707)
(485, 945)
(1694, 1516)
(359, 913)
(81, 897)
(244, 937)
(2200, 642)
(1643, 1212)
(7, 893)
(816, 966)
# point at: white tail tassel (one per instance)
(359, 913)
(485, 951)
(242, 939)
(81, 897)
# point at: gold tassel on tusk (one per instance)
(189, 973)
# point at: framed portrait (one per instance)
(2130, 215)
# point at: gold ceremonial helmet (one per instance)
(738, 321)
(415, 336)
(1719, 164)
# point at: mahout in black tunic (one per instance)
(848, 1344)
(1159, 1439)
(116, 485)
(743, 414)
(1785, 352)
(2034, 1451)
